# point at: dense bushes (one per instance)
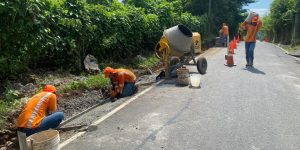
(58, 34)
(279, 25)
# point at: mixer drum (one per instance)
(180, 39)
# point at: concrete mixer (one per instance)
(180, 42)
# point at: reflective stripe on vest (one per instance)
(36, 109)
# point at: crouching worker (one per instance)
(40, 112)
(123, 82)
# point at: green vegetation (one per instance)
(58, 34)
(229, 11)
(150, 62)
(9, 103)
(290, 48)
(280, 23)
(11, 99)
(92, 82)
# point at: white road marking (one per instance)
(281, 48)
(63, 144)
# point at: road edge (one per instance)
(285, 51)
(103, 118)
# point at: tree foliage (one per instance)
(279, 24)
(229, 11)
(57, 34)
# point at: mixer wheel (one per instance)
(202, 65)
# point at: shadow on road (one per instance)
(254, 70)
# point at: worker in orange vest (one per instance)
(123, 82)
(40, 112)
(225, 32)
(250, 41)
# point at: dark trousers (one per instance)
(250, 52)
(128, 90)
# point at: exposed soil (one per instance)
(69, 103)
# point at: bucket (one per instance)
(195, 80)
(183, 76)
(45, 140)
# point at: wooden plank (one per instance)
(22, 140)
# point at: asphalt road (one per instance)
(236, 109)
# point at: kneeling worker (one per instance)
(40, 112)
(123, 82)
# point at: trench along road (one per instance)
(236, 108)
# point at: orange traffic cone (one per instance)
(234, 43)
(231, 47)
(229, 58)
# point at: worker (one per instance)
(123, 82)
(40, 112)
(250, 41)
(225, 33)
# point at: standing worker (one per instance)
(40, 112)
(123, 82)
(250, 41)
(225, 32)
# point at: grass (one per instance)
(12, 100)
(5, 108)
(92, 82)
(290, 48)
(9, 102)
(148, 62)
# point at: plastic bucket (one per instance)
(195, 80)
(45, 140)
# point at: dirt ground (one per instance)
(69, 103)
(78, 102)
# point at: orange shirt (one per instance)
(225, 30)
(36, 110)
(251, 31)
(123, 75)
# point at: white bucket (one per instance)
(45, 140)
(195, 80)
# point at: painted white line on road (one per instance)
(285, 51)
(63, 144)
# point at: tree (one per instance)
(229, 11)
(296, 33)
(282, 21)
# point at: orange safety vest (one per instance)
(36, 110)
(251, 31)
(123, 75)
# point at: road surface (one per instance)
(236, 108)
